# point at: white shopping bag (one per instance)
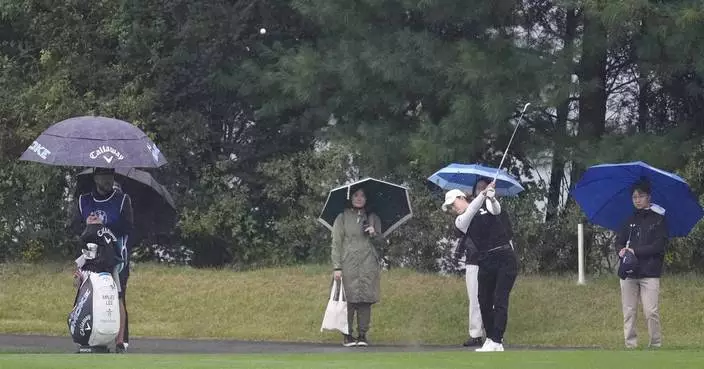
(335, 317)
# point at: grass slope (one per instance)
(288, 304)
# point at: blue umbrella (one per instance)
(604, 194)
(95, 142)
(464, 176)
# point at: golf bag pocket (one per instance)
(95, 318)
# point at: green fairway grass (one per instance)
(356, 360)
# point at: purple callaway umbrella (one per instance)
(95, 142)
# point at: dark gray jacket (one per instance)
(648, 234)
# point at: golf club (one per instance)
(510, 141)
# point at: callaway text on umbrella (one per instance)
(90, 141)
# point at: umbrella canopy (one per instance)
(387, 200)
(464, 176)
(604, 194)
(94, 142)
(154, 208)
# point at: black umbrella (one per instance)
(387, 200)
(154, 208)
(95, 142)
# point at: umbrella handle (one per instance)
(510, 141)
(630, 232)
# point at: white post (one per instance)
(580, 253)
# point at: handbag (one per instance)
(628, 266)
(335, 318)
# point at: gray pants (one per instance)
(646, 290)
(364, 316)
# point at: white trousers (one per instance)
(475, 314)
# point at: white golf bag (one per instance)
(95, 319)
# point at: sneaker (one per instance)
(348, 341)
(473, 341)
(490, 346)
(362, 340)
(121, 348)
(93, 350)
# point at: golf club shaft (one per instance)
(520, 119)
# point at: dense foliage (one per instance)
(258, 126)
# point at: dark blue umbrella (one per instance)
(464, 176)
(604, 194)
(95, 142)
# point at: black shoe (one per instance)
(121, 348)
(362, 340)
(348, 341)
(474, 341)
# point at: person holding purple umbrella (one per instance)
(107, 205)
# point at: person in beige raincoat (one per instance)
(356, 239)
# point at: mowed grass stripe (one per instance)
(436, 360)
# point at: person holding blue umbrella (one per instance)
(473, 179)
(642, 243)
(645, 206)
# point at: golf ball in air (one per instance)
(262, 30)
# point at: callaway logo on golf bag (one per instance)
(100, 249)
(95, 319)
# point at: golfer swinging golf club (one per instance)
(498, 265)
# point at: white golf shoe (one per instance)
(491, 346)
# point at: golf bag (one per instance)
(95, 318)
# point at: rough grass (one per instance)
(435, 360)
(287, 304)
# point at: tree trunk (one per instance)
(643, 90)
(557, 170)
(592, 100)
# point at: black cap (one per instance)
(104, 170)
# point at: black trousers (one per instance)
(364, 316)
(124, 275)
(497, 274)
(126, 337)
